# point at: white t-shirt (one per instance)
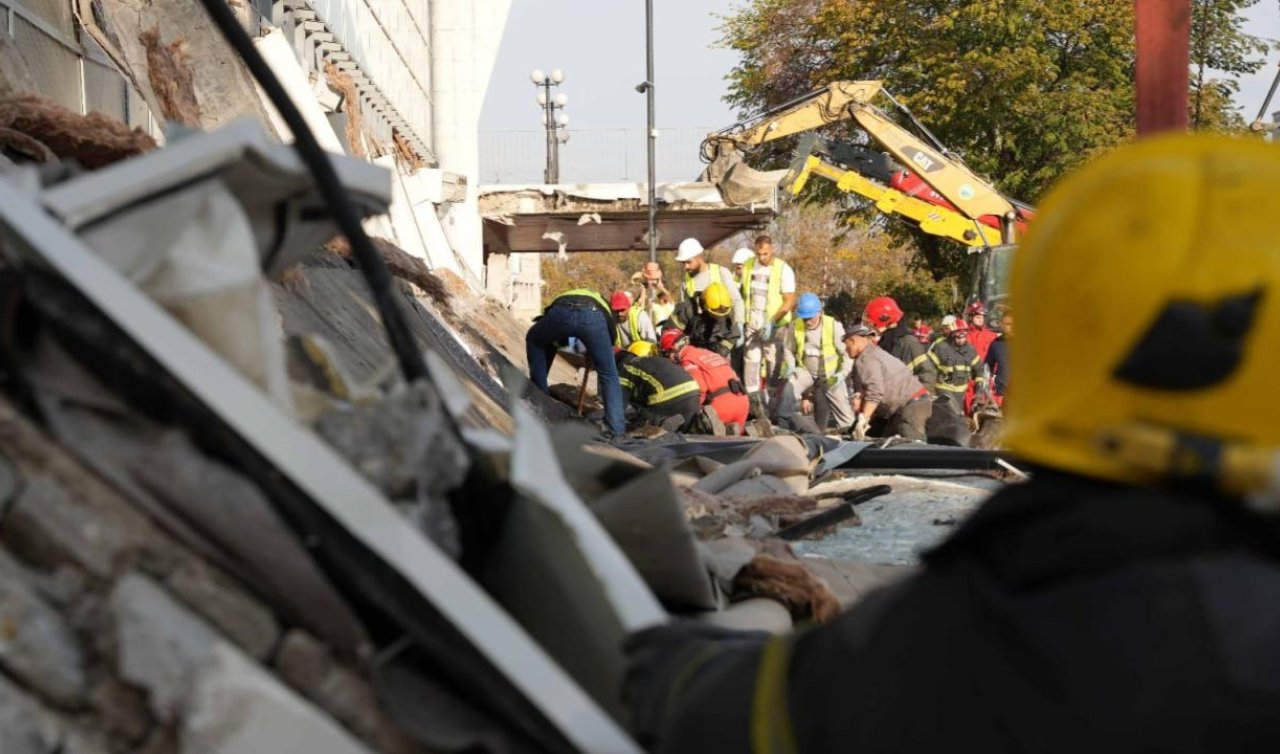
(760, 285)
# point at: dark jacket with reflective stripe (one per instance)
(956, 366)
(653, 382)
(1066, 615)
(910, 351)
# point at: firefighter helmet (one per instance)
(1146, 249)
(672, 338)
(882, 312)
(620, 301)
(642, 348)
(977, 307)
(716, 300)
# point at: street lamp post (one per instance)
(553, 122)
(646, 87)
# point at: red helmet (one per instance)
(977, 307)
(882, 312)
(620, 301)
(671, 339)
(959, 326)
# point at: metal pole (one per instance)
(1162, 31)
(653, 132)
(548, 113)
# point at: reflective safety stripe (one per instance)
(953, 388)
(771, 729)
(830, 356)
(717, 276)
(773, 300)
(917, 361)
(661, 393)
(672, 393)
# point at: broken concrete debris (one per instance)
(214, 542)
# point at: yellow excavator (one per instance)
(915, 177)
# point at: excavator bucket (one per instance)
(740, 184)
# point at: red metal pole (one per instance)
(1163, 30)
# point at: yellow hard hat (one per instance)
(716, 299)
(1147, 330)
(643, 348)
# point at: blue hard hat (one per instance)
(810, 306)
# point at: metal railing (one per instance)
(590, 156)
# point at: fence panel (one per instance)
(591, 156)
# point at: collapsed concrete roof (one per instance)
(612, 216)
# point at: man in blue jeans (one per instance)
(582, 314)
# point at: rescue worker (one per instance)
(888, 399)
(718, 385)
(699, 273)
(582, 314)
(1123, 599)
(957, 362)
(708, 320)
(739, 260)
(924, 334)
(769, 295)
(662, 393)
(997, 360)
(980, 336)
(815, 359)
(884, 315)
(632, 320)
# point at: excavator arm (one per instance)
(946, 174)
(932, 218)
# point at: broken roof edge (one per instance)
(703, 193)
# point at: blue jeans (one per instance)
(561, 322)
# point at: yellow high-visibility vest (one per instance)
(773, 300)
(830, 355)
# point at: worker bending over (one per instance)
(885, 316)
(815, 359)
(663, 394)
(633, 322)
(888, 400)
(1123, 599)
(581, 314)
(708, 320)
(718, 385)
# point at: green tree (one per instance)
(1220, 46)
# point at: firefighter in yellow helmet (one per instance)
(1124, 599)
(708, 319)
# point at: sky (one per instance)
(600, 47)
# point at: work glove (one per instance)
(860, 427)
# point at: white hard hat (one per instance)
(742, 255)
(689, 248)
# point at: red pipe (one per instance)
(1163, 29)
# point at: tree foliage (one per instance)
(1025, 90)
(1220, 52)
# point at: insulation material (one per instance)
(220, 83)
(342, 84)
(93, 140)
(169, 71)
